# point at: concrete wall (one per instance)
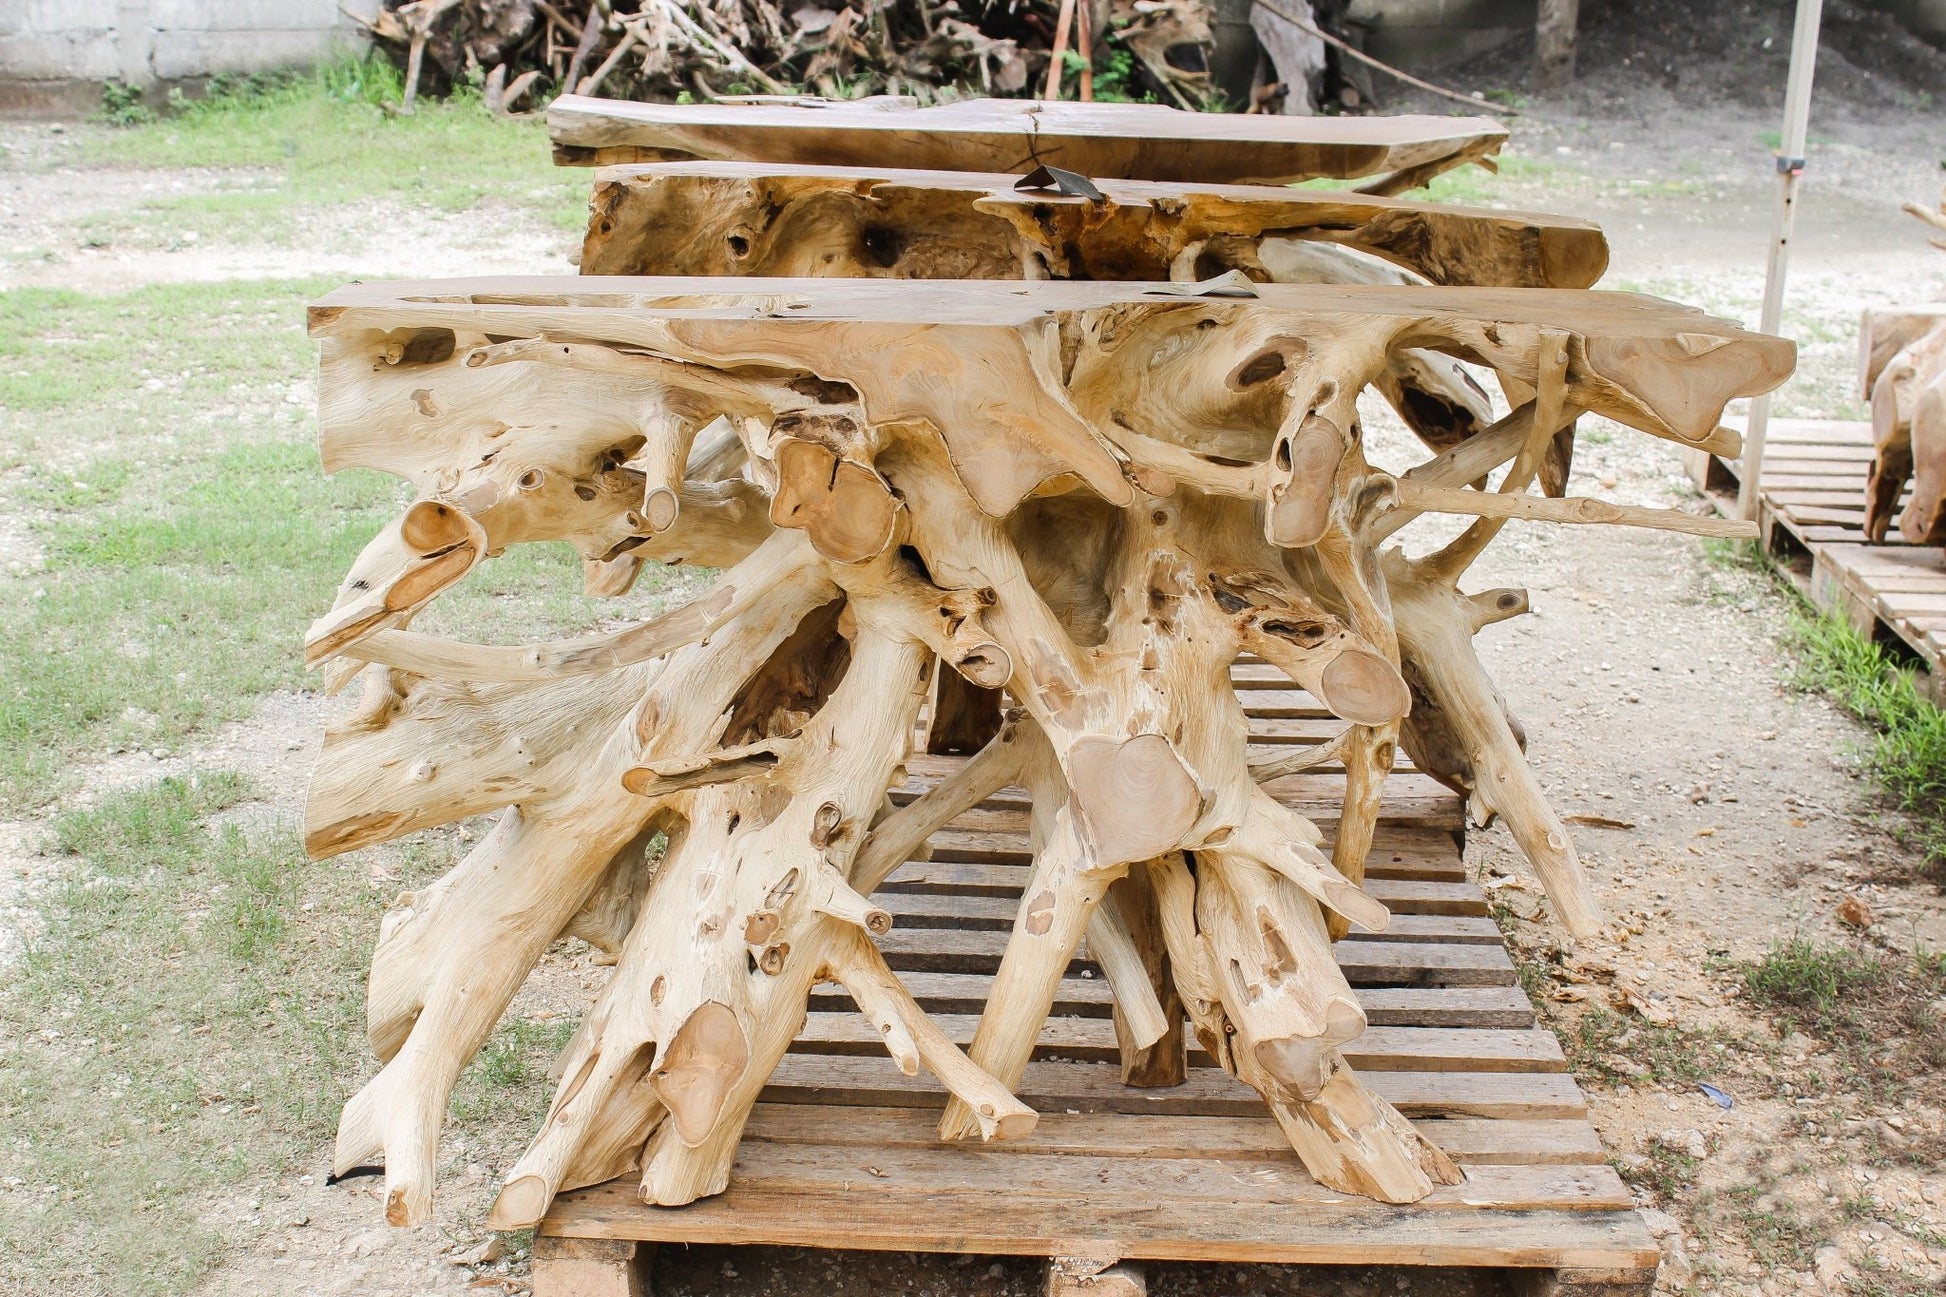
(54, 54)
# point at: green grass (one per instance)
(1876, 1010)
(179, 1030)
(183, 1027)
(183, 1033)
(163, 457)
(1907, 754)
(327, 139)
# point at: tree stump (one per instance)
(1091, 497)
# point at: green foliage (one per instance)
(121, 105)
(1878, 1009)
(1115, 76)
(1908, 750)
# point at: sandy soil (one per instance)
(1650, 680)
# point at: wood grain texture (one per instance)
(1139, 520)
(1127, 141)
(769, 219)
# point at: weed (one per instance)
(121, 105)
(1597, 1040)
(329, 140)
(171, 1033)
(1876, 1011)
(1739, 555)
(1908, 752)
(1663, 1171)
(1775, 1230)
(511, 1069)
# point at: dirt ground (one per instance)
(1650, 678)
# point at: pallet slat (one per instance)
(1813, 493)
(978, 1219)
(1095, 1087)
(1124, 1135)
(1190, 1172)
(1393, 1049)
(1398, 1006)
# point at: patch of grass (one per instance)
(1598, 1039)
(1777, 1232)
(1876, 1011)
(328, 140)
(1663, 1171)
(1908, 751)
(1477, 184)
(163, 457)
(511, 1070)
(183, 1025)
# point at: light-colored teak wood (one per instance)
(770, 219)
(1902, 355)
(590, 1267)
(1811, 518)
(1095, 497)
(1198, 1171)
(1125, 141)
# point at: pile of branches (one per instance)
(928, 50)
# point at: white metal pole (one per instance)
(1790, 168)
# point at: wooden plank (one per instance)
(1028, 1176)
(1133, 230)
(1363, 959)
(1394, 864)
(1401, 1006)
(946, 910)
(1097, 1087)
(986, 1220)
(1129, 1135)
(1390, 1049)
(1125, 141)
(1003, 848)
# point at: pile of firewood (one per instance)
(521, 50)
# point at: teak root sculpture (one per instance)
(1078, 501)
(1905, 377)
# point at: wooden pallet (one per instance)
(1811, 514)
(841, 1153)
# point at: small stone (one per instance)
(1624, 1066)
(1675, 1262)
(1661, 1224)
(1687, 1142)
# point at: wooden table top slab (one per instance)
(750, 218)
(1127, 141)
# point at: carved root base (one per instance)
(1080, 508)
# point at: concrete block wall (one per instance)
(54, 54)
